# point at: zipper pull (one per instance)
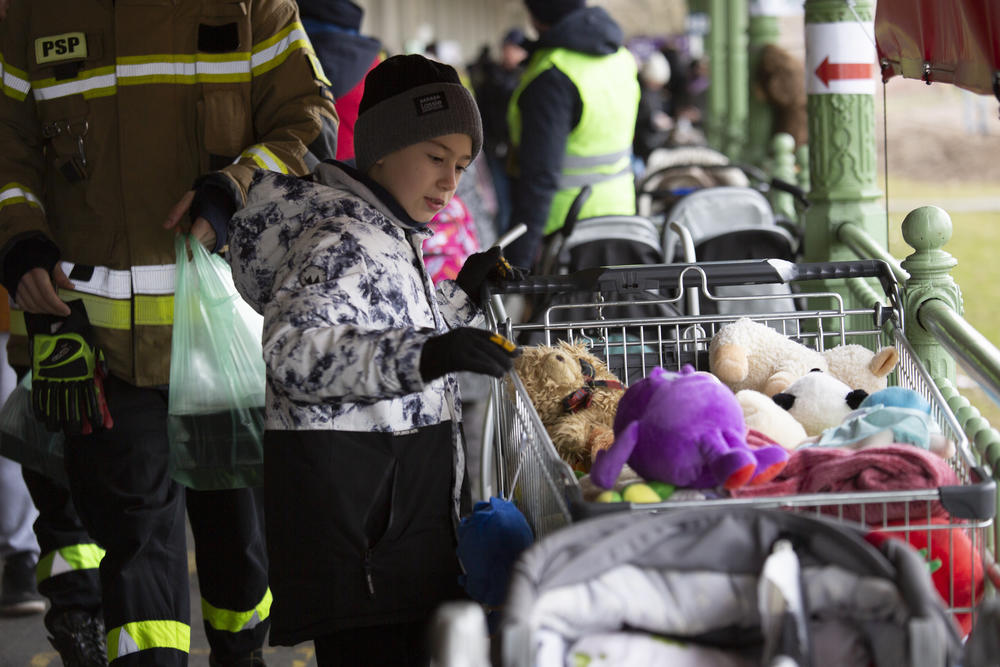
(369, 579)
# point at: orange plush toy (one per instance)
(950, 558)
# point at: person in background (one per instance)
(18, 545)
(572, 118)
(363, 462)
(653, 122)
(346, 55)
(494, 83)
(106, 145)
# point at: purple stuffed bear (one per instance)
(685, 429)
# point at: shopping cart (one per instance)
(520, 462)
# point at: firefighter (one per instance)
(121, 123)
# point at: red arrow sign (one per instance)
(828, 71)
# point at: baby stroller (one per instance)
(727, 223)
(732, 586)
(587, 243)
(725, 587)
(672, 173)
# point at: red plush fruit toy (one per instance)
(956, 569)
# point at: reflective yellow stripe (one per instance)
(69, 559)
(102, 311)
(15, 193)
(264, 158)
(97, 82)
(317, 68)
(227, 620)
(275, 50)
(112, 313)
(14, 81)
(154, 310)
(143, 635)
(164, 68)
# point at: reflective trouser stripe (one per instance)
(142, 635)
(235, 621)
(112, 313)
(68, 559)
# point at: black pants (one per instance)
(130, 506)
(404, 645)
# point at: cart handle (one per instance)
(645, 277)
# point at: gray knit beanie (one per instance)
(409, 99)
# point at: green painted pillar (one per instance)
(802, 163)
(760, 119)
(927, 229)
(737, 79)
(840, 88)
(717, 97)
(783, 167)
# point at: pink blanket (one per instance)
(835, 470)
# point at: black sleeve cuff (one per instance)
(24, 254)
(215, 200)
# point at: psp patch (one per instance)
(430, 103)
(67, 46)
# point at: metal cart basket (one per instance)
(520, 462)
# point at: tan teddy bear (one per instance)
(576, 397)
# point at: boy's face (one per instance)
(423, 177)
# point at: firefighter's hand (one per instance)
(467, 349)
(37, 291)
(201, 228)
(68, 371)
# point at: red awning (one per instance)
(951, 41)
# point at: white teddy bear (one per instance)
(749, 355)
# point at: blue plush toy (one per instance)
(489, 541)
(890, 415)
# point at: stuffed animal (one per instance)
(819, 401)
(860, 368)
(954, 563)
(575, 395)
(687, 430)
(762, 414)
(891, 415)
(749, 355)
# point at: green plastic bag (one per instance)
(24, 439)
(216, 402)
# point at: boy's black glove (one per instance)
(467, 349)
(483, 266)
(68, 371)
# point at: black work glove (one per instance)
(483, 266)
(467, 349)
(68, 371)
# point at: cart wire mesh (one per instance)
(528, 470)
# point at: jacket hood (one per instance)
(280, 208)
(588, 30)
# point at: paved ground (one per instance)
(23, 640)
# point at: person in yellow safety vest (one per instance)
(120, 122)
(571, 119)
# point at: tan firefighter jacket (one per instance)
(110, 110)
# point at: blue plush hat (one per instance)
(489, 542)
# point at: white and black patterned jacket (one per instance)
(347, 305)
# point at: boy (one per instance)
(363, 461)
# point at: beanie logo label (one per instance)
(430, 103)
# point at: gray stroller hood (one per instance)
(695, 579)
